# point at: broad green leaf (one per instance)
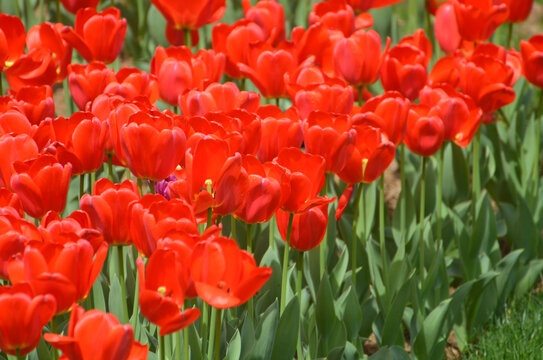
(233, 350)
(284, 345)
(194, 342)
(265, 333)
(455, 176)
(391, 333)
(390, 353)
(351, 314)
(116, 298)
(339, 271)
(531, 274)
(325, 311)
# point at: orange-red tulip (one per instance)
(279, 130)
(74, 5)
(132, 82)
(14, 148)
(532, 58)
(36, 102)
(12, 39)
(308, 228)
(88, 81)
(478, 19)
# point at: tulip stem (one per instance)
(440, 191)
(382, 226)
(58, 11)
(209, 217)
(421, 223)
(120, 254)
(81, 185)
(300, 266)
(213, 347)
(285, 265)
(250, 250)
(535, 171)
(187, 38)
(151, 186)
(354, 245)
(403, 204)
(92, 177)
(322, 247)
(110, 167)
(277, 102)
(140, 186)
(54, 330)
(1, 85)
(272, 232)
(233, 232)
(509, 34)
(476, 182)
(18, 354)
(162, 347)
(186, 342)
(67, 98)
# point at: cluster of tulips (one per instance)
(215, 153)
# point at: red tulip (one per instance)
(363, 5)
(387, 112)
(152, 145)
(477, 19)
(65, 271)
(330, 136)
(308, 228)
(22, 319)
(32, 183)
(218, 97)
(12, 39)
(98, 336)
(14, 148)
(108, 209)
(266, 189)
(36, 102)
(424, 132)
(177, 70)
(9, 199)
(154, 217)
(373, 154)
(269, 16)
(97, 36)
(161, 293)
(132, 82)
(78, 140)
(518, 10)
(446, 28)
(74, 5)
(47, 36)
(37, 67)
(225, 276)
(88, 81)
(532, 58)
(334, 14)
(13, 121)
(279, 130)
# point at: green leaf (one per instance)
(284, 346)
(351, 314)
(265, 333)
(532, 273)
(507, 274)
(233, 351)
(391, 333)
(325, 311)
(339, 271)
(98, 294)
(116, 298)
(455, 176)
(194, 342)
(390, 353)
(247, 337)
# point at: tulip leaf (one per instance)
(351, 313)
(247, 337)
(530, 275)
(455, 176)
(155, 26)
(265, 333)
(98, 294)
(390, 353)
(116, 298)
(391, 333)
(233, 351)
(284, 345)
(325, 311)
(485, 229)
(194, 342)
(339, 271)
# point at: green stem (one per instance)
(54, 330)
(18, 9)
(67, 98)
(110, 167)
(203, 327)
(81, 185)
(1, 84)
(213, 349)
(285, 265)
(421, 220)
(151, 186)
(42, 11)
(18, 354)
(354, 244)
(92, 177)
(403, 203)
(120, 255)
(186, 343)
(322, 247)
(233, 232)
(58, 12)
(112, 3)
(277, 102)
(440, 191)
(140, 186)
(272, 232)
(509, 34)
(535, 171)
(300, 266)
(176, 109)
(382, 226)
(209, 217)
(187, 38)
(161, 347)
(249, 238)
(476, 182)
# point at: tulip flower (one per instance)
(363, 5)
(14, 121)
(65, 271)
(424, 132)
(9, 199)
(47, 36)
(37, 67)
(234, 41)
(477, 20)
(330, 136)
(22, 319)
(97, 335)
(518, 10)
(88, 81)
(188, 15)
(446, 28)
(97, 36)
(12, 39)
(132, 82)
(36, 102)
(387, 112)
(32, 183)
(334, 14)
(532, 58)
(225, 276)
(78, 140)
(218, 97)
(308, 228)
(108, 209)
(14, 148)
(267, 189)
(269, 15)
(154, 217)
(177, 70)
(161, 293)
(279, 130)
(74, 5)
(152, 145)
